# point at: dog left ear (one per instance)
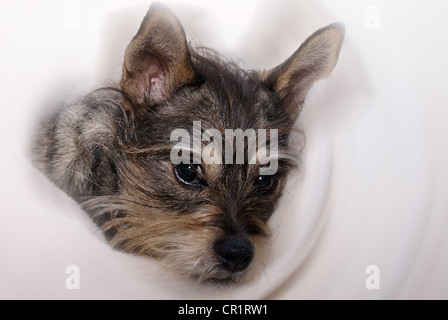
(314, 60)
(157, 61)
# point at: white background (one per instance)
(373, 183)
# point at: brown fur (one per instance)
(110, 151)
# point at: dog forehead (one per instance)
(229, 93)
(243, 107)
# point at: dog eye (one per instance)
(189, 174)
(266, 183)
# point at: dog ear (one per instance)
(314, 60)
(157, 61)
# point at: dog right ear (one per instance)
(314, 60)
(157, 61)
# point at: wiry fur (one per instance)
(111, 151)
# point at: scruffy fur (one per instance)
(111, 150)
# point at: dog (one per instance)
(112, 150)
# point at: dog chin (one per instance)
(214, 276)
(226, 280)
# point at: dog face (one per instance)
(204, 220)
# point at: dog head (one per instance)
(205, 219)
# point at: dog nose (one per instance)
(235, 253)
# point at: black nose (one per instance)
(235, 253)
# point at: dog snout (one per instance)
(235, 254)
